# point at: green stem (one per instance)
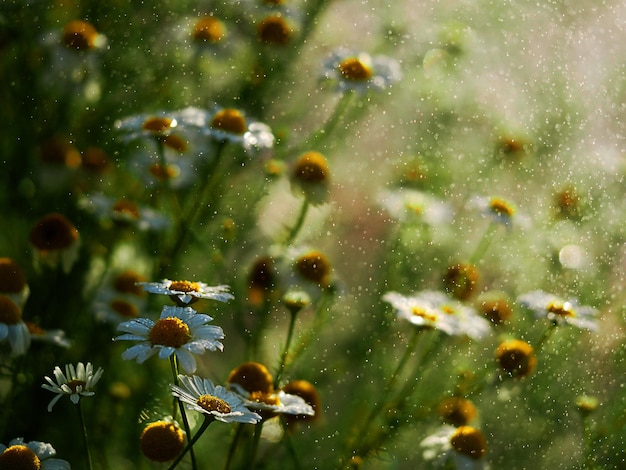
(285, 353)
(380, 405)
(256, 439)
(545, 336)
(233, 446)
(84, 433)
(484, 243)
(181, 408)
(205, 424)
(293, 233)
(333, 120)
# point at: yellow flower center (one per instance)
(212, 403)
(126, 283)
(355, 70)
(229, 120)
(95, 160)
(171, 332)
(308, 392)
(60, 151)
(274, 30)
(74, 384)
(162, 441)
(10, 313)
(501, 207)
(79, 35)
(311, 168)
(253, 377)
(420, 312)
(124, 308)
(267, 398)
(126, 207)
(314, 266)
(19, 457)
(12, 278)
(164, 172)
(158, 124)
(53, 232)
(516, 357)
(175, 142)
(185, 286)
(461, 280)
(208, 29)
(561, 309)
(34, 329)
(457, 411)
(469, 441)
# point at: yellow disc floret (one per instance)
(171, 332)
(162, 441)
(469, 441)
(229, 120)
(213, 403)
(355, 70)
(19, 457)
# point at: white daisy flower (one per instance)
(180, 331)
(464, 446)
(229, 125)
(188, 292)
(157, 125)
(433, 309)
(406, 204)
(273, 403)
(12, 327)
(559, 310)
(56, 337)
(19, 454)
(215, 401)
(360, 72)
(77, 382)
(497, 209)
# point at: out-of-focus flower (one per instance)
(464, 446)
(560, 311)
(123, 212)
(158, 126)
(162, 441)
(495, 306)
(58, 161)
(79, 35)
(406, 205)
(213, 401)
(308, 392)
(121, 297)
(352, 71)
(77, 382)
(313, 266)
(180, 331)
(12, 327)
(497, 209)
(184, 292)
(275, 29)
(311, 177)
(13, 282)
(461, 280)
(516, 358)
(567, 203)
(56, 337)
(208, 30)
(174, 170)
(435, 310)
(34, 455)
(229, 125)
(457, 411)
(56, 240)
(262, 280)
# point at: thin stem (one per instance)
(205, 424)
(285, 353)
(333, 119)
(84, 433)
(181, 407)
(545, 336)
(293, 233)
(256, 439)
(233, 446)
(390, 383)
(290, 448)
(484, 243)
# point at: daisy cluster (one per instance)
(270, 234)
